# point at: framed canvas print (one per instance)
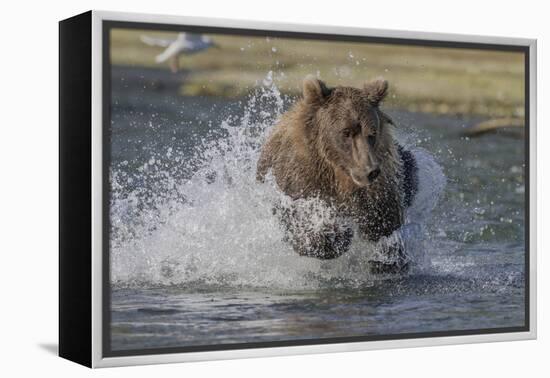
(233, 189)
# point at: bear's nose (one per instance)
(373, 174)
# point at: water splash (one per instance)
(205, 221)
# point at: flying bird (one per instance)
(185, 43)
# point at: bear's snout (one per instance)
(373, 174)
(364, 177)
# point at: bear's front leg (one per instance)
(329, 243)
(311, 233)
(390, 258)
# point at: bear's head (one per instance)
(350, 131)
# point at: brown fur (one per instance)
(321, 148)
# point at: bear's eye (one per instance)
(346, 133)
(371, 139)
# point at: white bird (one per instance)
(185, 43)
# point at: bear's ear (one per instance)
(315, 90)
(376, 91)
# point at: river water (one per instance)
(198, 258)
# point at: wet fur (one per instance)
(300, 153)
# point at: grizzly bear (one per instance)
(337, 146)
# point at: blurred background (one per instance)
(427, 79)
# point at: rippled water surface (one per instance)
(198, 258)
